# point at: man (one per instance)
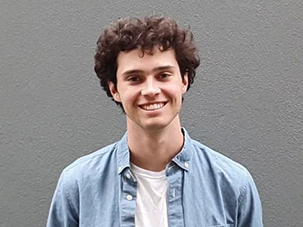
(156, 175)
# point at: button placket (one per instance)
(175, 211)
(128, 199)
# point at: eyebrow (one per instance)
(160, 68)
(166, 67)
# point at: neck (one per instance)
(154, 149)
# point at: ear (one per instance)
(184, 83)
(114, 91)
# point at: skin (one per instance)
(150, 88)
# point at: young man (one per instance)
(156, 175)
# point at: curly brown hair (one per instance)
(131, 33)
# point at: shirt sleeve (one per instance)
(250, 209)
(63, 211)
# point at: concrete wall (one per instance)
(246, 101)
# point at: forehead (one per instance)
(146, 61)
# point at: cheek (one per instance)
(174, 91)
(128, 97)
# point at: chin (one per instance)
(155, 125)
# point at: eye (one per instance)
(164, 75)
(133, 79)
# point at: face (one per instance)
(150, 88)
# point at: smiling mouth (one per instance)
(153, 106)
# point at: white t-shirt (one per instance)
(151, 205)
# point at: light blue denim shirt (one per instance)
(205, 189)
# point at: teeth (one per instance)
(153, 106)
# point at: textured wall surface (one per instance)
(246, 101)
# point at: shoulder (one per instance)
(220, 167)
(228, 180)
(91, 163)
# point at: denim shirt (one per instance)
(205, 189)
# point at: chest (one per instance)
(186, 200)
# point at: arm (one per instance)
(250, 209)
(63, 211)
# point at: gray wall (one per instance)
(246, 101)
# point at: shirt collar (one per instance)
(123, 155)
(182, 159)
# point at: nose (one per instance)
(150, 88)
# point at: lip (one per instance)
(148, 106)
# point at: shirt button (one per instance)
(129, 197)
(186, 164)
(127, 175)
(119, 168)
